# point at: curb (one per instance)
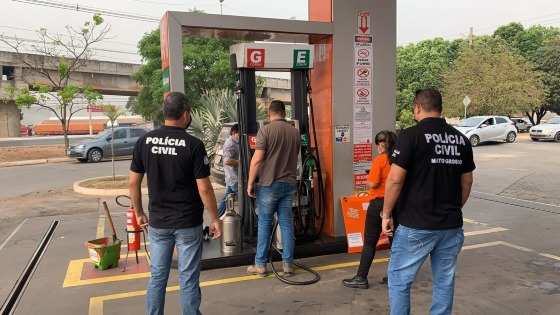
(35, 162)
(100, 192)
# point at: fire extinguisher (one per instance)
(134, 231)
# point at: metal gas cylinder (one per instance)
(231, 226)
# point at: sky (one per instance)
(416, 20)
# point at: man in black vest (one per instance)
(430, 182)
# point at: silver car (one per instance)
(488, 128)
(546, 131)
(94, 150)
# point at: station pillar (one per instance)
(339, 91)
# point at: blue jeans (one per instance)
(189, 251)
(222, 207)
(410, 249)
(270, 199)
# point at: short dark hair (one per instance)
(174, 105)
(429, 99)
(277, 107)
(234, 129)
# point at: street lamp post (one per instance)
(221, 7)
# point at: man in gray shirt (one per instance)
(275, 165)
(231, 162)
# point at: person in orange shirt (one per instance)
(380, 167)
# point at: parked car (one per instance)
(94, 150)
(523, 124)
(217, 167)
(546, 131)
(488, 128)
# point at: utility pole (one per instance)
(221, 7)
(471, 37)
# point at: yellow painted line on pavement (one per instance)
(471, 221)
(75, 268)
(74, 278)
(487, 231)
(96, 303)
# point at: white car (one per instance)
(547, 131)
(488, 128)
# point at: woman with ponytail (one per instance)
(380, 166)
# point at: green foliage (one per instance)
(496, 80)
(63, 69)
(422, 65)
(206, 59)
(113, 113)
(405, 119)
(548, 61)
(97, 20)
(216, 108)
(526, 42)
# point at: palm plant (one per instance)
(217, 107)
(113, 113)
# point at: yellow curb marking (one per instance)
(96, 303)
(74, 274)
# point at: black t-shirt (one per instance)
(435, 156)
(173, 160)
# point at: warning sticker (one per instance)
(355, 239)
(362, 76)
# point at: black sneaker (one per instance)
(357, 283)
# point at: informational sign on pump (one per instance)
(255, 58)
(273, 56)
(362, 100)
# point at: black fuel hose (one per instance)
(316, 276)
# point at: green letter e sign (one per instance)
(301, 58)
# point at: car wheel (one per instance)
(535, 139)
(95, 155)
(557, 137)
(511, 136)
(475, 140)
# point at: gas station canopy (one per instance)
(269, 56)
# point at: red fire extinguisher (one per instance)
(133, 230)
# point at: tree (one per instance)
(113, 113)
(419, 66)
(526, 42)
(207, 67)
(55, 58)
(497, 81)
(548, 62)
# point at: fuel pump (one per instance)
(308, 205)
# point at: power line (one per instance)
(86, 9)
(63, 35)
(28, 40)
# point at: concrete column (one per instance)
(383, 18)
(9, 119)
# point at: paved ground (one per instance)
(510, 263)
(20, 180)
(37, 140)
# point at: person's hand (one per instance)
(216, 229)
(142, 220)
(251, 190)
(387, 227)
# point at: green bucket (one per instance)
(104, 253)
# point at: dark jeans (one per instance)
(371, 236)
